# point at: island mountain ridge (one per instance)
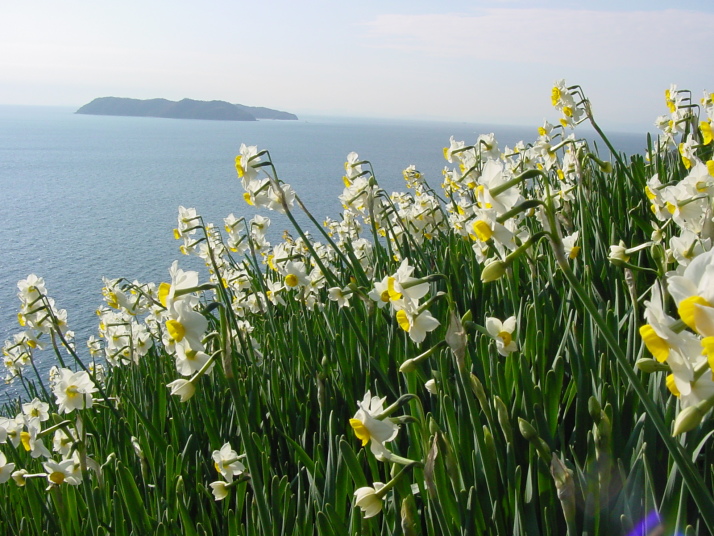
(183, 109)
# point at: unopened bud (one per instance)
(649, 365)
(527, 430)
(493, 271)
(603, 431)
(503, 419)
(689, 418)
(594, 409)
(530, 433)
(408, 366)
(563, 478)
(409, 517)
(433, 426)
(478, 390)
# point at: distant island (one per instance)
(183, 109)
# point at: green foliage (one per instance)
(551, 438)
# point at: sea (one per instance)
(84, 197)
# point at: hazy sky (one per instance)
(472, 61)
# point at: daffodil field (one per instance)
(525, 348)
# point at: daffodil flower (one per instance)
(693, 292)
(502, 333)
(73, 390)
(415, 322)
(219, 489)
(371, 430)
(6, 469)
(226, 462)
(369, 500)
(182, 388)
(64, 472)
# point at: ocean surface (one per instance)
(84, 196)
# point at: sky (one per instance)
(466, 61)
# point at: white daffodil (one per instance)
(618, 253)
(687, 246)
(656, 333)
(371, 430)
(246, 163)
(339, 295)
(73, 390)
(11, 429)
(227, 462)
(502, 333)
(67, 471)
(410, 287)
(380, 293)
(219, 489)
(183, 323)
(416, 323)
(38, 409)
(571, 250)
(180, 280)
(31, 288)
(368, 500)
(6, 469)
(276, 199)
(188, 360)
(182, 388)
(693, 292)
(494, 176)
(294, 274)
(30, 440)
(63, 440)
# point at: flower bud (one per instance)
(527, 430)
(408, 366)
(650, 365)
(478, 390)
(688, 419)
(503, 419)
(564, 483)
(594, 409)
(493, 271)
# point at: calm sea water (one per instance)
(90, 196)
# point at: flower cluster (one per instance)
(228, 465)
(402, 292)
(682, 205)
(265, 192)
(28, 429)
(39, 317)
(372, 425)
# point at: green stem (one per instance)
(614, 153)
